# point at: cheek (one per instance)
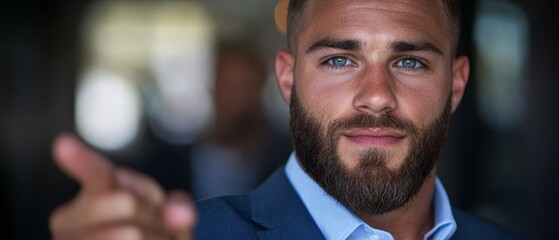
(421, 93)
(422, 102)
(326, 96)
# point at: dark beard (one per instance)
(370, 187)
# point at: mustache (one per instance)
(364, 120)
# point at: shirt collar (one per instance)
(445, 225)
(340, 223)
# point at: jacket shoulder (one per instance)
(474, 227)
(225, 218)
(271, 211)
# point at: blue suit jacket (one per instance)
(275, 211)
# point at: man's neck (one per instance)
(411, 221)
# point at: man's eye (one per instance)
(339, 62)
(410, 63)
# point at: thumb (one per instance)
(91, 170)
(179, 215)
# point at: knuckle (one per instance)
(122, 232)
(126, 205)
(55, 220)
(131, 233)
(105, 209)
(59, 219)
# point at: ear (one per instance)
(284, 65)
(460, 75)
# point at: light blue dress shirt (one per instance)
(336, 222)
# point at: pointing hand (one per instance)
(115, 203)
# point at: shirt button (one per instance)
(375, 237)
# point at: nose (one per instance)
(375, 91)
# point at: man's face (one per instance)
(238, 87)
(370, 187)
(373, 85)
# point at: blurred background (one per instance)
(160, 85)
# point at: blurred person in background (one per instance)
(241, 148)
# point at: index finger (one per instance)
(94, 172)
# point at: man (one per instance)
(371, 85)
(242, 148)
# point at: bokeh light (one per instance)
(107, 109)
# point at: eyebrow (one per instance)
(355, 45)
(400, 46)
(350, 45)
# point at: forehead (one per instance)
(420, 20)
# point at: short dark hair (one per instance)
(297, 9)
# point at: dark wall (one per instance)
(37, 74)
(542, 129)
(510, 177)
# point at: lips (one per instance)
(375, 137)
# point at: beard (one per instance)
(370, 187)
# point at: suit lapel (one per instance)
(276, 206)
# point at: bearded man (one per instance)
(371, 86)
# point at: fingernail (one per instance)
(180, 213)
(65, 146)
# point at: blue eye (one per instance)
(410, 63)
(339, 62)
